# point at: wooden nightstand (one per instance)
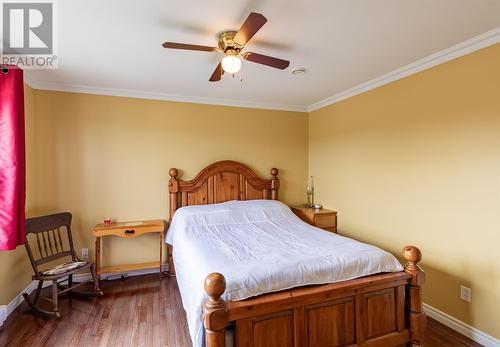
(321, 218)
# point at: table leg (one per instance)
(161, 254)
(97, 259)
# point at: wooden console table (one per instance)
(128, 230)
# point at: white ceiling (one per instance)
(117, 44)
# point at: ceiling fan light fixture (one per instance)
(232, 43)
(231, 63)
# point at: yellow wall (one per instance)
(15, 269)
(101, 156)
(418, 162)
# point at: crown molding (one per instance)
(140, 94)
(474, 44)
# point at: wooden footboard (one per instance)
(378, 310)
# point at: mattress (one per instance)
(260, 247)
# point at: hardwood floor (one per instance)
(137, 311)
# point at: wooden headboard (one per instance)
(219, 182)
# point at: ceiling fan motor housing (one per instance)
(226, 41)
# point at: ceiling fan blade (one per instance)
(267, 60)
(188, 47)
(218, 72)
(252, 24)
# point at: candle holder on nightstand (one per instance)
(310, 194)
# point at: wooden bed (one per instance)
(377, 310)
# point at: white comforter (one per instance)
(260, 246)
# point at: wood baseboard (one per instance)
(461, 327)
(3, 314)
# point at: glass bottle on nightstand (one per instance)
(310, 191)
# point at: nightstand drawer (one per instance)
(324, 221)
(321, 218)
(131, 229)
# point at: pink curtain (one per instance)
(12, 164)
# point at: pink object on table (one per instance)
(107, 222)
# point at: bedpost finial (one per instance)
(275, 183)
(215, 285)
(215, 313)
(173, 172)
(412, 256)
(415, 308)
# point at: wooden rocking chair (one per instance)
(54, 244)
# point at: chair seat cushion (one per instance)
(59, 269)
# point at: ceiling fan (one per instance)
(231, 43)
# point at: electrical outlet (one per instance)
(85, 253)
(465, 293)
